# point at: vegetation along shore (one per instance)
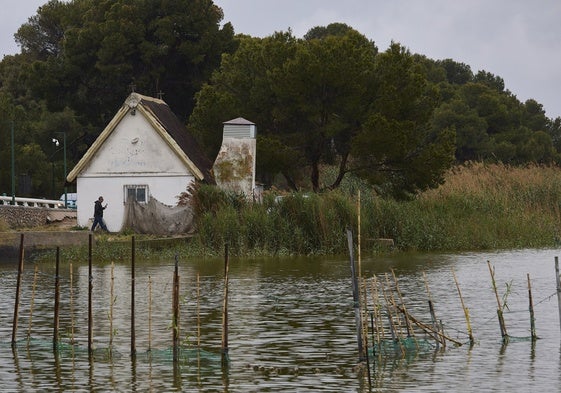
(479, 207)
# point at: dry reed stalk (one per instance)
(502, 325)
(531, 308)
(466, 310)
(410, 331)
(431, 310)
(379, 325)
(393, 315)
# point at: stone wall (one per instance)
(20, 217)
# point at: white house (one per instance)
(145, 155)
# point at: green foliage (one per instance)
(85, 54)
(300, 224)
(392, 118)
(479, 207)
(397, 149)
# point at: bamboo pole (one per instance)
(466, 310)
(32, 302)
(431, 310)
(364, 318)
(175, 311)
(500, 316)
(71, 304)
(356, 299)
(149, 313)
(531, 308)
(198, 311)
(133, 333)
(429, 329)
(410, 332)
(396, 318)
(558, 280)
(395, 328)
(111, 303)
(373, 317)
(358, 237)
(224, 352)
(57, 300)
(90, 290)
(362, 287)
(18, 290)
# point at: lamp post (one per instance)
(56, 142)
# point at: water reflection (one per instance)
(291, 326)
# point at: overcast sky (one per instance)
(518, 40)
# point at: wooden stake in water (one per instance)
(531, 308)
(558, 280)
(466, 311)
(71, 305)
(410, 332)
(111, 303)
(90, 291)
(32, 302)
(133, 334)
(149, 313)
(57, 300)
(198, 311)
(356, 298)
(18, 290)
(175, 311)
(500, 316)
(224, 358)
(432, 313)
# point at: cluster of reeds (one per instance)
(302, 224)
(480, 206)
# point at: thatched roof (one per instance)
(166, 123)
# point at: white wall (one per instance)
(164, 189)
(133, 154)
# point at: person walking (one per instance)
(98, 214)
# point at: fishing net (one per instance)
(403, 347)
(183, 355)
(157, 218)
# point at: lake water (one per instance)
(291, 326)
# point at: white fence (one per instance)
(32, 202)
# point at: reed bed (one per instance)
(479, 206)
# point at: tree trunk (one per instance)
(342, 171)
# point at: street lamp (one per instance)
(57, 143)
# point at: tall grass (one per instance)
(478, 207)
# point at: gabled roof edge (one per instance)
(151, 117)
(97, 144)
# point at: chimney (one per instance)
(234, 167)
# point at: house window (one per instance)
(137, 193)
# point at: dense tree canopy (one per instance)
(392, 118)
(332, 100)
(81, 59)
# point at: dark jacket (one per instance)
(98, 209)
